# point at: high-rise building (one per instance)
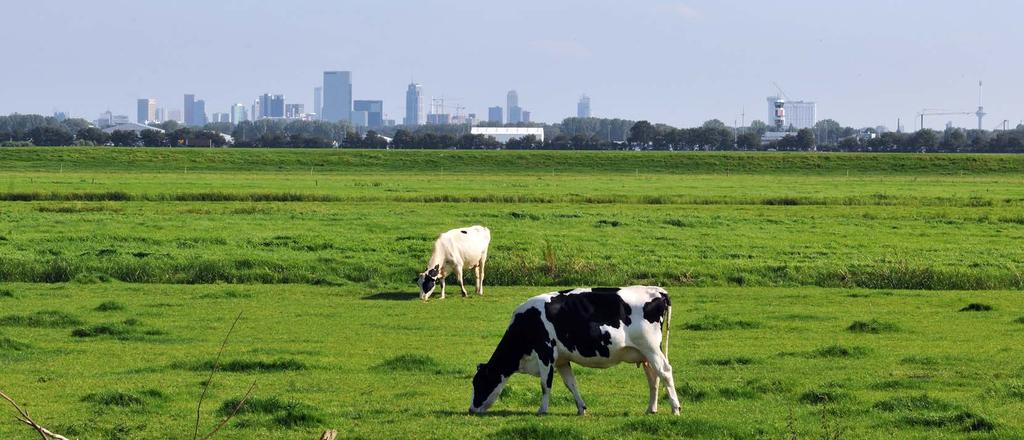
(161, 114)
(414, 105)
(146, 110)
(271, 106)
(359, 118)
(524, 116)
(189, 107)
(220, 117)
(374, 112)
(583, 107)
(199, 112)
(175, 115)
(494, 114)
(797, 114)
(515, 113)
(195, 111)
(318, 96)
(294, 111)
(337, 96)
(60, 116)
(238, 113)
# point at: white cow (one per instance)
(453, 251)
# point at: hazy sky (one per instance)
(865, 62)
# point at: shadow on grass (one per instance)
(392, 296)
(501, 413)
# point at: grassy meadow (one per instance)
(816, 295)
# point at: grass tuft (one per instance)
(676, 427)
(964, 421)
(41, 319)
(731, 361)
(1019, 320)
(109, 306)
(536, 431)
(415, 363)
(693, 393)
(124, 399)
(921, 402)
(716, 323)
(245, 365)
(822, 397)
(126, 329)
(837, 351)
(873, 326)
(8, 344)
(6, 293)
(286, 414)
(976, 307)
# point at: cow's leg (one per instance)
(547, 375)
(462, 284)
(570, 383)
(652, 383)
(443, 276)
(661, 366)
(480, 275)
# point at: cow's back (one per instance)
(468, 244)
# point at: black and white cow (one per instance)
(597, 327)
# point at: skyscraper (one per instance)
(414, 105)
(271, 106)
(318, 96)
(524, 116)
(238, 113)
(195, 111)
(337, 96)
(494, 114)
(294, 111)
(189, 108)
(374, 112)
(515, 113)
(146, 110)
(583, 107)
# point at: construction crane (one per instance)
(782, 94)
(938, 112)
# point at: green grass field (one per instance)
(815, 295)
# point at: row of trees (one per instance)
(570, 134)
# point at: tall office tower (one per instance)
(238, 113)
(199, 112)
(146, 110)
(175, 115)
(318, 96)
(515, 113)
(294, 111)
(337, 96)
(374, 112)
(583, 107)
(414, 105)
(524, 116)
(494, 114)
(161, 114)
(271, 106)
(189, 108)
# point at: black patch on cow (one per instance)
(655, 309)
(464, 232)
(551, 375)
(566, 290)
(578, 317)
(526, 334)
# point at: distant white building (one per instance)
(130, 126)
(504, 134)
(799, 114)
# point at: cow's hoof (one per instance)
(652, 411)
(542, 413)
(675, 411)
(581, 412)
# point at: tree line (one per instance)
(569, 134)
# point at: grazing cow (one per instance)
(597, 327)
(455, 250)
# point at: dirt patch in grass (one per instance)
(977, 307)
(109, 306)
(716, 323)
(41, 319)
(873, 326)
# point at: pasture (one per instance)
(819, 295)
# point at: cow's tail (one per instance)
(665, 329)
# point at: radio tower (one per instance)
(981, 108)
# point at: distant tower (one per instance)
(981, 108)
(583, 107)
(780, 114)
(413, 105)
(318, 96)
(146, 110)
(515, 113)
(337, 96)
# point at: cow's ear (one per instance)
(479, 367)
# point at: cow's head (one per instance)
(427, 280)
(487, 386)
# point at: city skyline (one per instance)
(826, 57)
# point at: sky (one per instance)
(865, 63)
